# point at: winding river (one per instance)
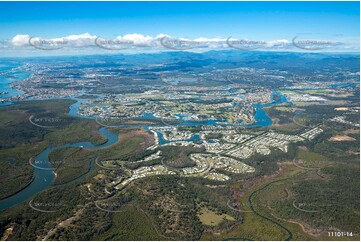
(260, 116)
(253, 194)
(44, 175)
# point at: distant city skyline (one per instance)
(79, 24)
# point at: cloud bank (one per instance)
(83, 43)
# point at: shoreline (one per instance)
(28, 184)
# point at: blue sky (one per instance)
(253, 20)
(182, 19)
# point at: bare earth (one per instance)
(342, 138)
(351, 131)
(7, 233)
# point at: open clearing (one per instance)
(342, 138)
(210, 218)
(351, 131)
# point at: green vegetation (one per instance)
(131, 223)
(70, 163)
(178, 156)
(130, 143)
(309, 156)
(31, 223)
(87, 96)
(20, 140)
(213, 136)
(336, 200)
(283, 117)
(16, 173)
(172, 207)
(210, 218)
(267, 165)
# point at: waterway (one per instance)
(260, 116)
(44, 175)
(8, 74)
(163, 141)
(250, 201)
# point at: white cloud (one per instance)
(159, 36)
(201, 39)
(138, 41)
(74, 40)
(20, 40)
(78, 40)
(85, 36)
(282, 42)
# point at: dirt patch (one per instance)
(7, 233)
(341, 109)
(275, 121)
(210, 218)
(303, 148)
(148, 138)
(351, 131)
(328, 102)
(342, 138)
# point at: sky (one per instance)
(262, 21)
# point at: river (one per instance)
(9, 73)
(44, 176)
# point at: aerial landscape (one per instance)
(109, 134)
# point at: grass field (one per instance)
(309, 156)
(210, 218)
